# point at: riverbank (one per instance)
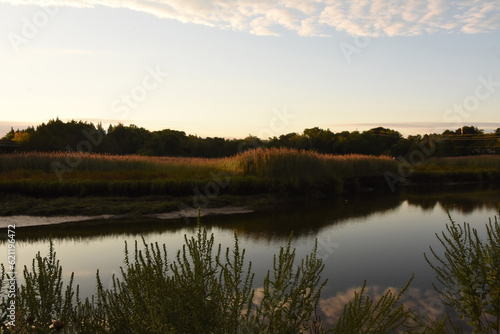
(88, 212)
(11, 205)
(278, 217)
(189, 215)
(261, 171)
(44, 184)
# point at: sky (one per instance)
(261, 67)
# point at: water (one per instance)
(372, 237)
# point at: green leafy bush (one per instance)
(365, 315)
(469, 274)
(203, 290)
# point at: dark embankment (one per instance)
(457, 170)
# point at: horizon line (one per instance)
(440, 127)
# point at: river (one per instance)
(380, 238)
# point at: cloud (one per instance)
(315, 17)
(422, 302)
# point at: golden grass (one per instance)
(40, 165)
(255, 171)
(279, 170)
(277, 163)
(284, 162)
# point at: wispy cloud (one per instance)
(314, 17)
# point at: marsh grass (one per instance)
(257, 171)
(275, 170)
(481, 168)
(468, 163)
(260, 162)
(305, 172)
(285, 163)
(34, 174)
(103, 166)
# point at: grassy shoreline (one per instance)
(279, 171)
(45, 184)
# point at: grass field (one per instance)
(34, 165)
(469, 163)
(479, 168)
(53, 174)
(279, 171)
(278, 163)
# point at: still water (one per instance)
(380, 238)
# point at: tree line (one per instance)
(56, 135)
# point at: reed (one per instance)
(267, 163)
(274, 170)
(285, 162)
(94, 161)
(80, 166)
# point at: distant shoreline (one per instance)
(406, 128)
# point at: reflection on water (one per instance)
(372, 237)
(464, 201)
(422, 302)
(301, 218)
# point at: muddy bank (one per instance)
(21, 221)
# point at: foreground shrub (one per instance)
(203, 290)
(206, 291)
(365, 315)
(469, 274)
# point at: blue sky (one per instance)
(233, 68)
